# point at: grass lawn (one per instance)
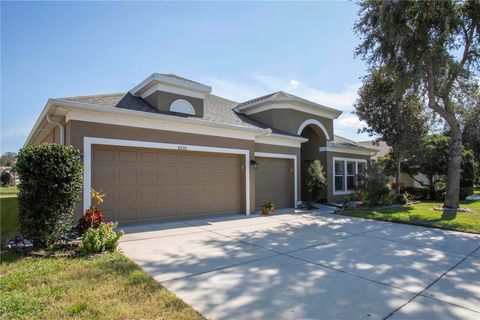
(423, 214)
(9, 215)
(8, 190)
(107, 286)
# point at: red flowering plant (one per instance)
(92, 218)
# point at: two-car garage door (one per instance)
(151, 184)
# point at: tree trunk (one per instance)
(431, 186)
(397, 177)
(454, 168)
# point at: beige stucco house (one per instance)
(169, 148)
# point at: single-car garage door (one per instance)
(274, 182)
(153, 184)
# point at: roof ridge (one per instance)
(95, 95)
(259, 98)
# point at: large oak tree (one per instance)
(435, 45)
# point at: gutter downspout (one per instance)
(58, 124)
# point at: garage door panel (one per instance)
(148, 197)
(126, 195)
(148, 176)
(148, 157)
(104, 175)
(127, 156)
(274, 182)
(108, 214)
(148, 213)
(168, 158)
(103, 155)
(185, 159)
(185, 193)
(168, 175)
(204, 160)
(127, 175)
(186, 176)
(127, 215)
(168, 195)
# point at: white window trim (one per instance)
(188, 104)
(87, 160)
(345, 191)
(295, 169)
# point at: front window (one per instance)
(351, 173)
(339, 175)
(348, 174)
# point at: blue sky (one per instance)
(242, 50)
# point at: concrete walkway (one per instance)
(311, 265)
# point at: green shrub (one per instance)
(5, 179)
(418, 193)
(376, 188)
(401, 199)
(469, 169)
(410, 197)
(316, 180)
(103, 238)
(51, 182)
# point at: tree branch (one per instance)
(432, 102)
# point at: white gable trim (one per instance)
(295, 106)
(315, 122)
(87, 160)
(171, 81)
(350, 150)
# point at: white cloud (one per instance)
(258, 85)
(340, 100)
(234, 90)
(350, 121)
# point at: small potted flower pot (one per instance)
(268, 208)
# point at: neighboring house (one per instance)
(13, 174)
(169, 148)
(405, 179)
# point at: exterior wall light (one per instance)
(254, 164)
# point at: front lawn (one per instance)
(107, 286)
(8, 190)
(423, 214)
(9, 216)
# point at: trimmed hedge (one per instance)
(51, 182)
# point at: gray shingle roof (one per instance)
(216, 109)
(345, 141)
(381, 146)
(265, 97)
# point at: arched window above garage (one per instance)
(182, 106)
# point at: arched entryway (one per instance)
(317, 136)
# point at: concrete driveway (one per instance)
(311, 265)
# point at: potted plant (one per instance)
(267, 208)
